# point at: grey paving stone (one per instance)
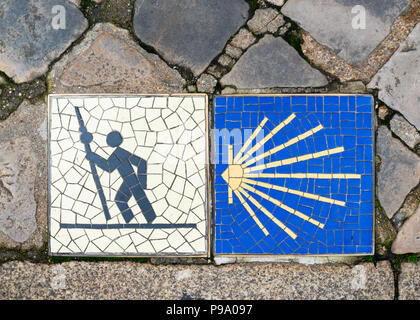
(17, 179)
(265, 20)
(225, 60)
(206, 83)
(228, 90)
(409, 282)
(352, 87)
(270, 63)
(383, 112)
(188, 33)
(330, 23)
(215, 70)
(30, 39)
(232, 51)
(411, 203)
(398, 82)
(109, 61)
(408, 238)
(243, 39)
(128, 280)
(405, 131)
(399, 171)
(23, 177)
(76, 2)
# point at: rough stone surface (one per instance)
(206, 83)
(283, 29)
(352, 87)
(109, 61)
(76, 2)
(17, 179)
(265, 20)
(225, 60)
(408, 238)
(23, 177)
(410, 206)
(232, 51)
(326, 59)
(383, 112)
(118, 12)
(331, 23)
(228, 90)
(191, 88)
(405, 131)
(243, 39)
(385, 232)
(409, 281)
(398, 79)
(273, 63)
(188, 33)
(30, 42)
(276, 2)
(215, 70)
(399, 171)
(128, 280)
(12, 95)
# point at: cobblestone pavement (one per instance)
(213, 47)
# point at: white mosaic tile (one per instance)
(128, 175)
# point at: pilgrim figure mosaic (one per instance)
(128, 175)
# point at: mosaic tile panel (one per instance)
(294, 175)
(128, 175)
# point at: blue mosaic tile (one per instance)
(293, 175)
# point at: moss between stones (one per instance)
(4, 79)
(12, 95)
(85, 5)
(294, 37)
(118, 12)
(253, 5)
(369, 258)
(385, 232)
(413, 258)
(35, 255)
(398, 259)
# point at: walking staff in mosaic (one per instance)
(86, 139)
(133, 184)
